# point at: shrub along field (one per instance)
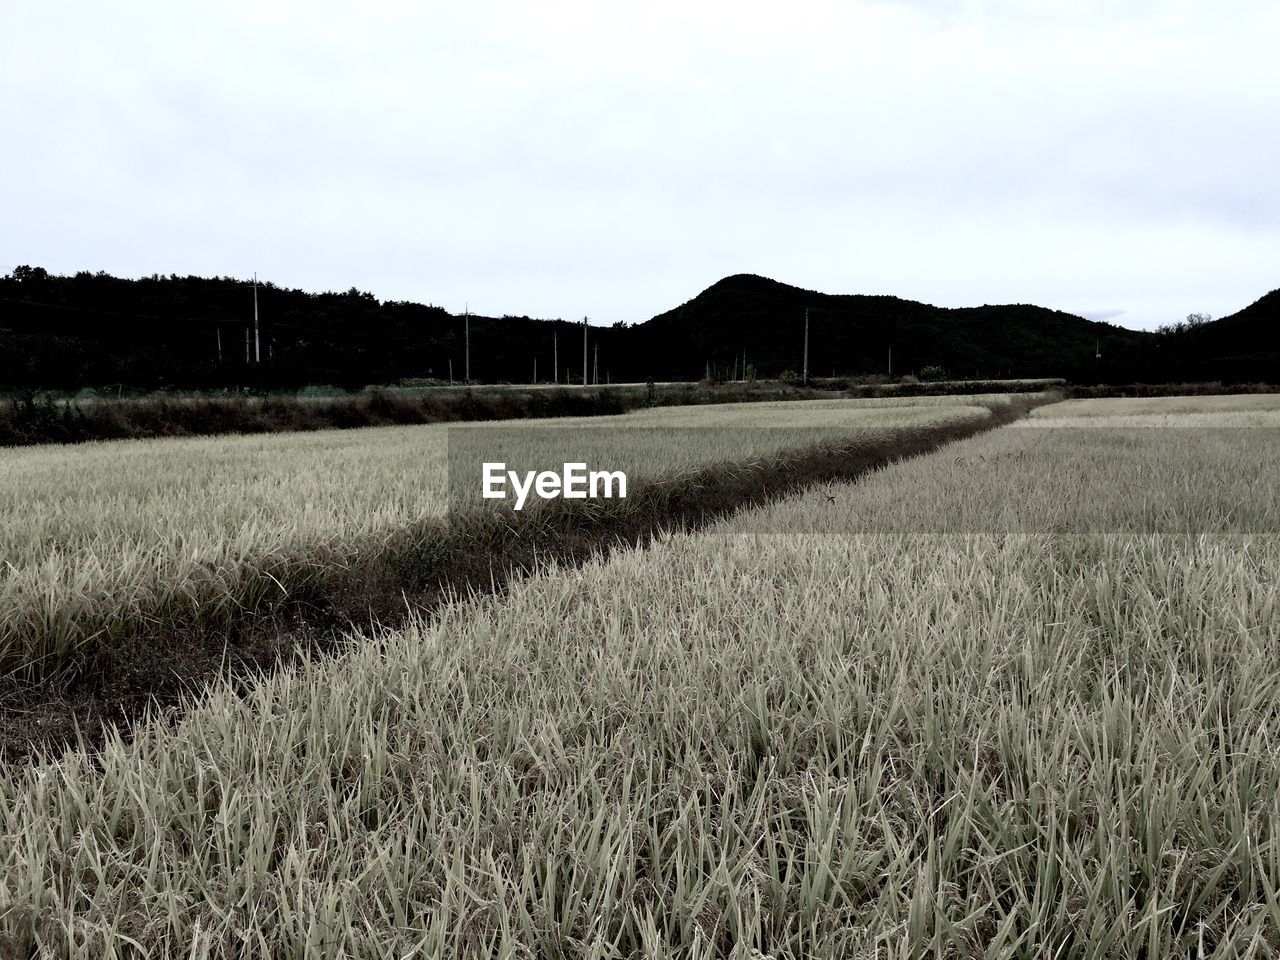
(30, 418)
(781, 736)
(104, 539)
(48, 418)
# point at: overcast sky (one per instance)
(562, 158)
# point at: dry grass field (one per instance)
(102, 537)
(821, 728)
(1250, 410)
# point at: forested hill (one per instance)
(1243, 346)
(95, 329)
(92, 329)
(854, 332)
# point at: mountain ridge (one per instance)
(94, 329)
(854, 330)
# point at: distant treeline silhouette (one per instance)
(93, 329)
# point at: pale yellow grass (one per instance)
(101, 538)
(1244, 410)
(735, 744)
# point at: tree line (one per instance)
(94, 329)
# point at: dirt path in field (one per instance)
(148, 677)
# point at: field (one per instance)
(1258, 410)
(28, 418)
(1015, 698)
(104, 537)
(51, 418)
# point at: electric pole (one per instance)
(466, 332)
(891, 361)
(555, 356)
(595, 373)
(584, 351)
(806, 347)
(218, 327)
(257, 340)
(535, 369)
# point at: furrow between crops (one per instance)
(153, 672)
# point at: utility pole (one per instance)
(584, 351)
(466, 328)
(451, 371)
(535, 369)
(257, 340)
(806, 346)
(595, 373)
(248, 346)
(218, 327)
(555, 356)
(891, 361)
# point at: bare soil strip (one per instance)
(150, 675)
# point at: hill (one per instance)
(853, 333)
(1244, 346)
(92, 329)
